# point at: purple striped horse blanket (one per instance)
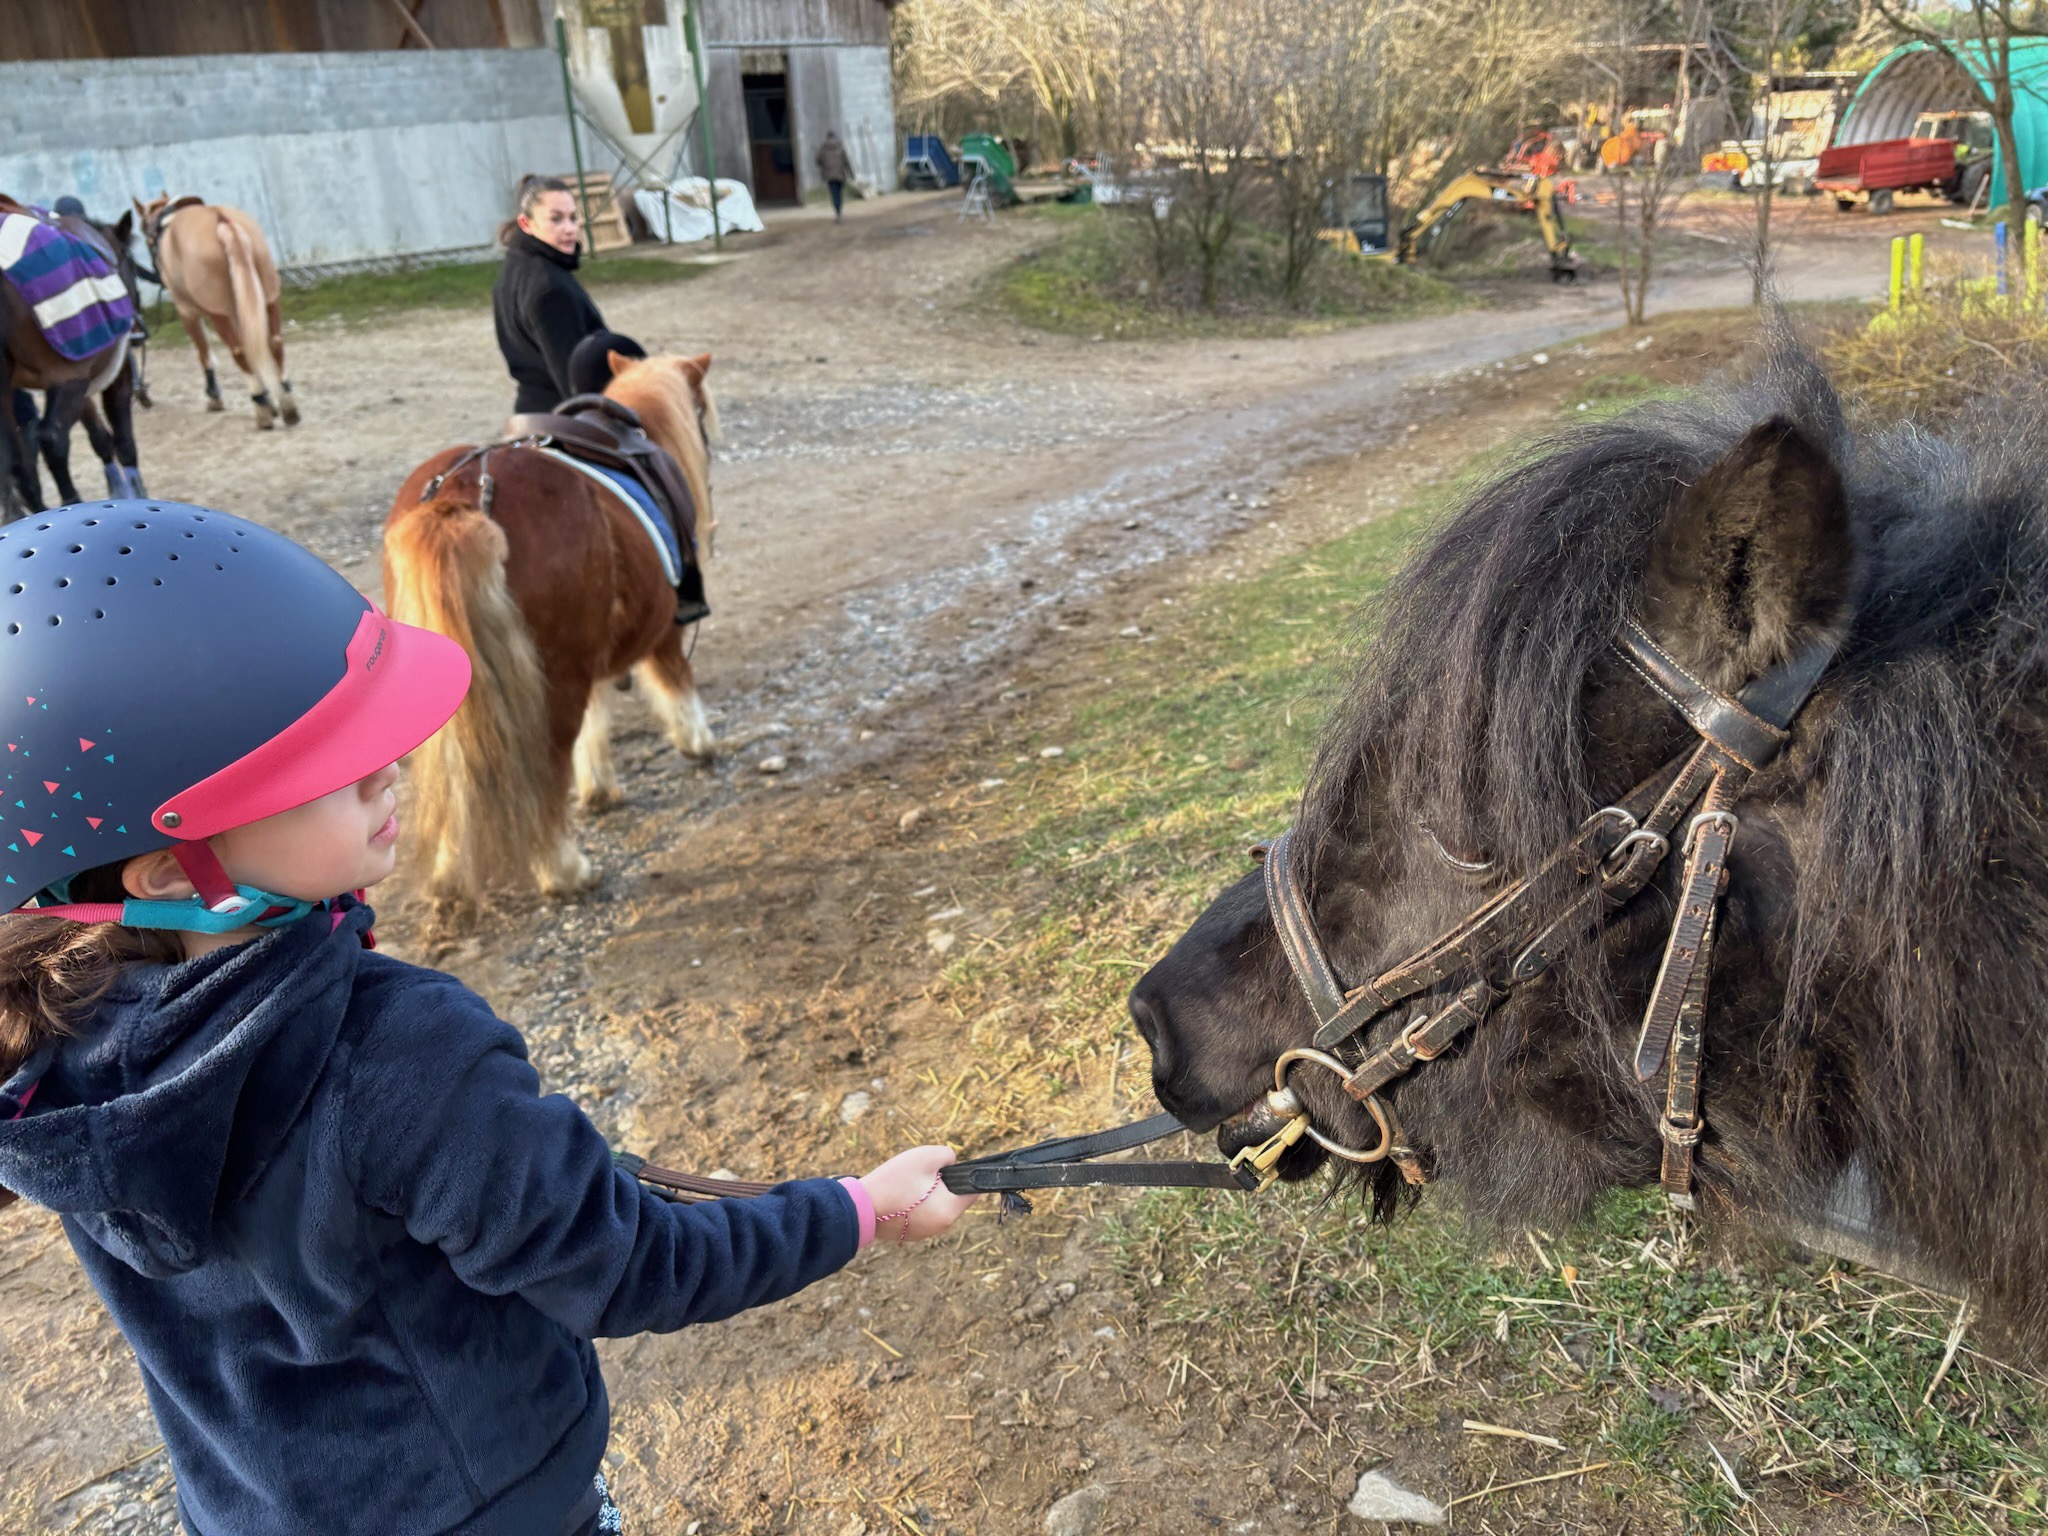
(77, 296)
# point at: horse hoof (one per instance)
(291, 411)
(602, 798)
(265, 421)
(215, 403)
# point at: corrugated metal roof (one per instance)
(1918, 78)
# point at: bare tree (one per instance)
(1209, 82)
(1649, 188)
(1979, 52)
(1328, 70)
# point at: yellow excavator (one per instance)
(1360, 224)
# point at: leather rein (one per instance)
(1515, 936)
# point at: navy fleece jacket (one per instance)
(357, 1253)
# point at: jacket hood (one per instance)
(171, 1102)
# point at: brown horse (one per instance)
(216, 267)
(556, 592)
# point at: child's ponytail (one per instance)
(53, 970)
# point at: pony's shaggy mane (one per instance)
(1919, 964)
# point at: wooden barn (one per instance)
(359, 131)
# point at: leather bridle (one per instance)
(1516, 935)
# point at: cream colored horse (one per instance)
(216, 266)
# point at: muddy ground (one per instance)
(933, 529)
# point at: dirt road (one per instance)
(931, 526)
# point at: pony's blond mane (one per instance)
(672, 397)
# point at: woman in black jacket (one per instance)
(541, 310)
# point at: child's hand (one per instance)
(910, 1201)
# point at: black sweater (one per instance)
(541, 313)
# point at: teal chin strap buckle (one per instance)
(192, 915)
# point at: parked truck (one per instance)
(1949, 154)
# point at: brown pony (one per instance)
(555, 593)
(216, 266)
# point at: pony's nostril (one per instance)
(1147, 1018)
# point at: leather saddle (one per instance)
(601, 431)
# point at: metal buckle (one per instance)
(1727, 818)
(1626, 818)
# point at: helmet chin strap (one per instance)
(219, 905)
(209, 877)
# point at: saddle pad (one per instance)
(79, 301)
(634, 495)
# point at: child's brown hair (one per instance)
(52, 970)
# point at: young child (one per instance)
(359, 1256)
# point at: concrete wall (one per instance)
(342, 157)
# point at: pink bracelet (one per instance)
(904, 1235)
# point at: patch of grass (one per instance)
(1719, 1388)
(1095, 276)
(1941, 353)
(372, 298)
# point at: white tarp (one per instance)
(689, 209)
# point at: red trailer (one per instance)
(1853, 172)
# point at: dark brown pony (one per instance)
(1877, 1025)
(555, 593)
(29, 362)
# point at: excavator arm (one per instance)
(1515, 191)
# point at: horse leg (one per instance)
(114, 441)
(195, 327)
(597, 776)
(287, 406)
(21, 489)
(672, 689)
(266, 412)
(60, 414)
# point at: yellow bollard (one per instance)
(1914, 249)
(1898, 268)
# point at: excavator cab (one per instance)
(1356, 217)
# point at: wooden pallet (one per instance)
(608, 228)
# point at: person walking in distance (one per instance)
(836, 166)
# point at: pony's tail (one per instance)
(480, 788)
(252, 313)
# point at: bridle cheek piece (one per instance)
(1515, 936)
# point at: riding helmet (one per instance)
(169, 671)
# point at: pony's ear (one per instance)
(124, 228)
(618, 362)
(140, 211)
(696, 367)
(1753, 559)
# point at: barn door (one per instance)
(771, 130)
